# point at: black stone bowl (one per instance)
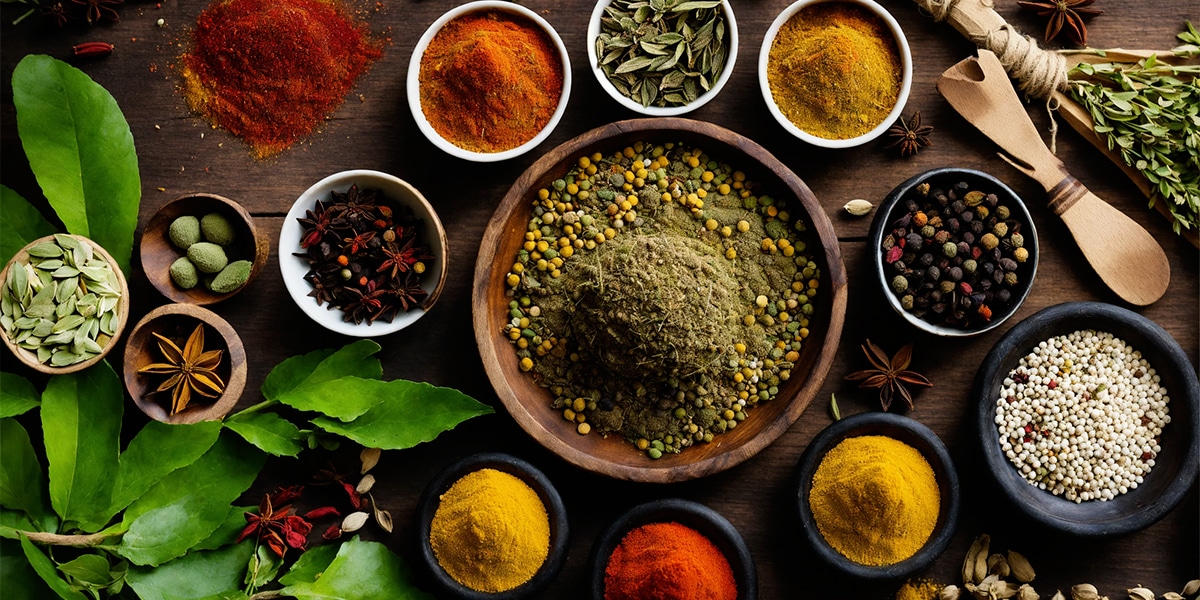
(905, 430)
(1175, 468)
(559, 534)
(892, 208)
(703, 519)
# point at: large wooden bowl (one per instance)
(530, 405)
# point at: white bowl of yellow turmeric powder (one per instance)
(835, 73)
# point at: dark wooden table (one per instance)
(179, 153)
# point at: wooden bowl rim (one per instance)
(646, 470)
(1134, 511)
(910, 432)
(236, 355)
(694, 515)
(556, 511)
(161, 281)
(28, 358)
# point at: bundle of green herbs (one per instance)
(1149, 111)
(659, 295)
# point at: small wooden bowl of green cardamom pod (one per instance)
(65, 304)
(184, 364)
(905, 467)
(462, 513)
(202, 249)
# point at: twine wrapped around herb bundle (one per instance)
(1139, 107)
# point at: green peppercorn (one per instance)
(1001, 229)
(1017, 240)
(1002, 212)
(906, 302)
(950, 249)
(654, 453)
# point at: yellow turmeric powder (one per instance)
(918, 589)
(875, 500)
(834, 70)
(490, 532)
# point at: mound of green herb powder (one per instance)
(659, 296)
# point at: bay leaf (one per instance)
(410, 413)
(20, 224)
(17, 395)
(86, 165)
(268, 431)
(634, 64)
(81, 423)
(695, 5)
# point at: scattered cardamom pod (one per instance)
(1058, 595)
(1173, 596)
(1191, 587)
(950, 592)
(1140, 593)
(365, 484)
(369, 458)
(1084, 591)
(858, 207)
(383, 517)
(998, 565)
(354, 521)
(977, 551)
(1026, 592)
(1021, 569)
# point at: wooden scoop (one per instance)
(1125, 256)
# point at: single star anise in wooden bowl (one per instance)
(889, 375)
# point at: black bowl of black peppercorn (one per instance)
(955, 251)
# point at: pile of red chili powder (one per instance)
(668, 561)
(269, 71)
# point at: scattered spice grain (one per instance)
(668, 561)
(834, 70)
(490, 81)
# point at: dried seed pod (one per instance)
(365, 484)
(1020, 567)
(858, 207)
(975, 564)
(1173, 596)
(1058, 595)
(354, 521)
(383, 517)
(1140, 593)
(369, 458)
(998, 565)
(1004, 590)
(1026, 592)
(1191, 587)
(1084, 591)
(950, 592)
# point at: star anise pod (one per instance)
(355, 203)
(889, 375)
(95, 10)
(275, 525)
(365, 305)
(316, 224)
(1065, 15)
(191, 370)
(56, 12)
(910, 136)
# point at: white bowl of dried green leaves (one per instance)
(665, 57)
(63, 304)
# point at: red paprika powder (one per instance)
(668, 561)
(269, 71)
(490, 81)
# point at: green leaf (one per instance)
(21, 582)
(227, 532)
(356, 359)
(270, 432)
(21, 485)
(188, 505)
(345, 399)
(45, 569)
(198, 575)
(264, 566)
(634, 64)
(17, 395)
(291, 372)
(696, 4)
(410, 413)
(20, 223)
(89, 568)
(361, 571)
(81, 422)
(311, 565)
(81, 151)
(158, 449)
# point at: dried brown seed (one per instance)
(1004, 590)
(1021, 569)
(1026, 592)
(1084, 591)
(354, 521)
(369, 458)
(1058, 595)
(949, 592)
(365, 484)
(975, 564)
(858, 207)
(1192, 587)
(1140, 593)
(1173, 596)
(998, 565)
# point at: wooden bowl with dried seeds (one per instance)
(65, 304)
(176, 336)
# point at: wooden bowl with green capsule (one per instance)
(39, 339)
(149, 360)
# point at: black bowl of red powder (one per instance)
(671, 545)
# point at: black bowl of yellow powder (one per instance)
(492, 527)
(878, 496)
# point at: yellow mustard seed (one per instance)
(522, 343)
(514, 334)
(731, 253)
(748, 320)
(513, 279)
(707, 176)
(723, 189)
(526, 364)
(584, 162)
(743, 226)
(569, 414)
(418, 267)
(584, 428)
(711, 224)
(543, 194)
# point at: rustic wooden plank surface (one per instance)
(179, 153)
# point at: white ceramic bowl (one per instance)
(294, 267)
(593, 33)
(412, 86)
(905, 75)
